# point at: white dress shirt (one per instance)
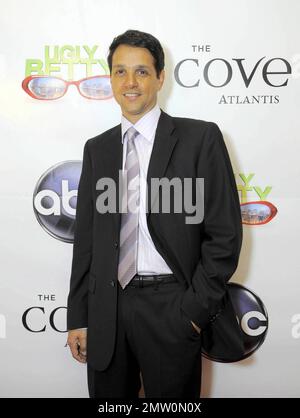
(149, 261)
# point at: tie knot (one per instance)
(132, 133)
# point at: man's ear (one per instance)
(161, 78)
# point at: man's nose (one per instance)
(131, 80)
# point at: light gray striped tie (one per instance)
(130, 218)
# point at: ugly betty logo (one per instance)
(62, 66)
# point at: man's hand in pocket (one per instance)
(196, 327)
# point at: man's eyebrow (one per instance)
(137, 66)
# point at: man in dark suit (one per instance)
(145, 282)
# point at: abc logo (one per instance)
(55, 199)
(252, 318)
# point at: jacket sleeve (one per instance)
(82, 248)
(222, 232)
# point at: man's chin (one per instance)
(133, 111)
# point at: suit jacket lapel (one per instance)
(164, 143)
(112, 158)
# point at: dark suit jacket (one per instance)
(202, 256)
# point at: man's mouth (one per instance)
(132, 96)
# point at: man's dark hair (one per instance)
(143, 40)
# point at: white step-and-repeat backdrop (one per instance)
(236, 63)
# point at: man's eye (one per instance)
(143, 72)
(119, 71)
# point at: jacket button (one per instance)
(112, 283)
(116, 244)
(212, 318)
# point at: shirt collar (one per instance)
(146, 126)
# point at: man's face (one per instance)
(133, 72)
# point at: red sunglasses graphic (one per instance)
(257, 213)
(44, 87)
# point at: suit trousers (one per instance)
(154, 339)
